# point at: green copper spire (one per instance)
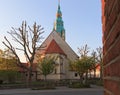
(58, 26)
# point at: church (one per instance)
(56, 46)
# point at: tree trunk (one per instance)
(81, 78)
(86, 77)
(29, 78)
(45, 84)
(101, 71)
(90, 74)
(94, 73)
(45, 77)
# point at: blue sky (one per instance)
(82, 19)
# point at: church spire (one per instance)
(58, 2)
(58, 26)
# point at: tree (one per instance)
(28, 38)
(1, 54)
(8, 68)
(46, 66)
(85, 63)
(83, 51)
(8, 61)
(78, 67)
(82, 66)
(94, 59)
(99, 59)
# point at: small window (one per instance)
(76, 74)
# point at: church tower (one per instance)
(59, 24)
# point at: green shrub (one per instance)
(1, 81)
(99, 83)
(43, 88)
(96, 81)
(79, 85)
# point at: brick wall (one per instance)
(111, 46)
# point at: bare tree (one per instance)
(98, 57)
(94, 55)
(28, 38)
(83, 51)
(100, 60)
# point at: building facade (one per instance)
(111, 46)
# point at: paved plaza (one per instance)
(57, 91)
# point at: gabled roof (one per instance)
(61, 43)
(53, 47)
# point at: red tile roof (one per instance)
(34, 67)
(54, 48)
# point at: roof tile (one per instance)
(53, 47)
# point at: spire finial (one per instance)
(58, 2)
